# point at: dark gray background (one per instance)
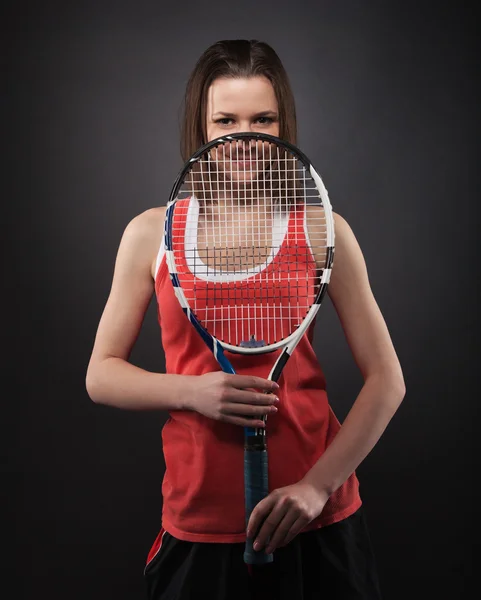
(387, 97)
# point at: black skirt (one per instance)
(335, 562)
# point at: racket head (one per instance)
(249, 239)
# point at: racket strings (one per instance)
(249, 264)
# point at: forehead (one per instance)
(237, 95)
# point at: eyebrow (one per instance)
(264, 113)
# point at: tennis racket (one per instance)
(249, 240)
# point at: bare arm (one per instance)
(369, 340)
(112, 380)
(286, 511)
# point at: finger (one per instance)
(252, 397)
(260, 512)
(270, 525)
(280, 536)
(247, 410)
(295, 529)
(243, 422)
(250, 381)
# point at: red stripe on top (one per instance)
(203, 485)
(156, 546)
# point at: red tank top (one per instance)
(203, 485)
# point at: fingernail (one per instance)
(269, 550)
(257, 546)
(276, 400)
(273, 408)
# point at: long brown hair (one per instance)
(234, 58)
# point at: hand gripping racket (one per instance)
(249, 239)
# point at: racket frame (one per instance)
(255, 448)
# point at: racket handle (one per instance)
(256, 489)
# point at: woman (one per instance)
(313, 518)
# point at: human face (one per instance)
(236, 105)
(241, 105)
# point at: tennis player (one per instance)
(313, 519)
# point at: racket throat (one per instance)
(280, 363)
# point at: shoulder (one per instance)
(342, 227)
(143, 235)
(147, 224)
(349, 272)
(345, 241)
(346, 247)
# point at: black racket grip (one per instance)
(256, 489)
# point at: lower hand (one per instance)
(279, 517)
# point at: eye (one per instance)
(265, 120)
(224, 121)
